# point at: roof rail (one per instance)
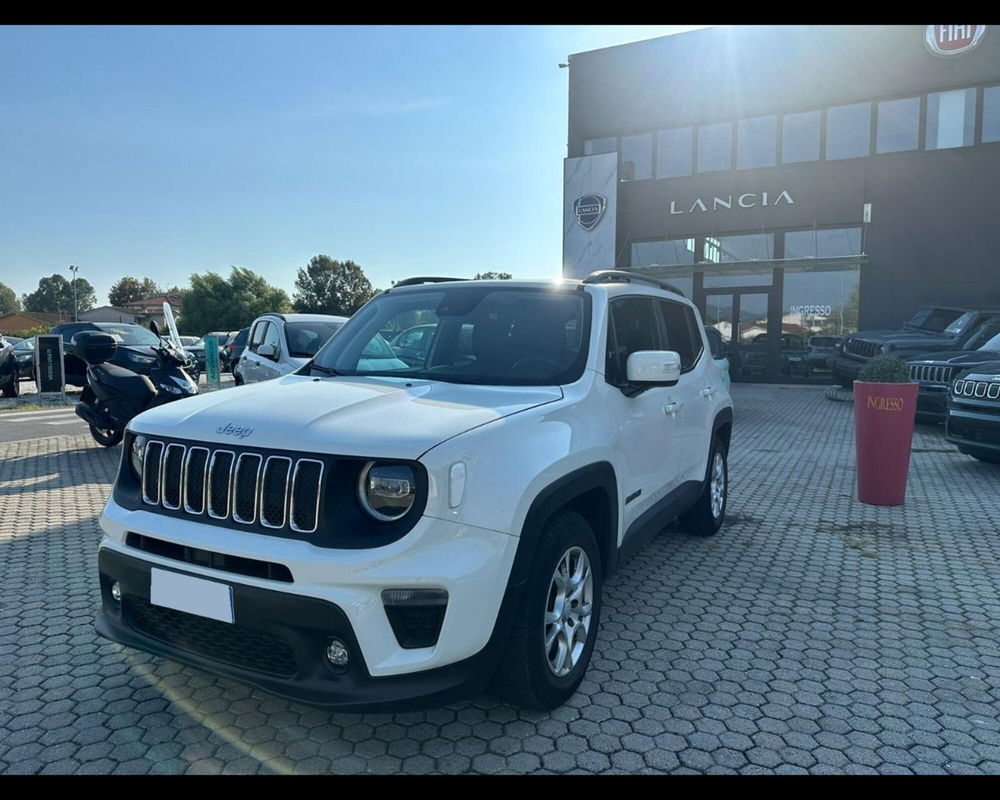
(624, 276)
(428, 279)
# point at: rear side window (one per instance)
(257, 335)
(681, 332)
(633, 327)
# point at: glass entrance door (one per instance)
(742, 319)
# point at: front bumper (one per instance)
(327, 593)
(277, 643)
(932, 402)
(845, 369)
(973, 430)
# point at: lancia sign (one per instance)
(952, 40)
(589, 209)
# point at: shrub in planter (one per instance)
(885, 405)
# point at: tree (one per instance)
(328, 286)
(129, 289)
(8, 301)
(493, 276)
(55, 295)
(215, 303)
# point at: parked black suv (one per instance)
(935, 372)
(973, 421)
(930, 329)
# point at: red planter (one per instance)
(883, 430)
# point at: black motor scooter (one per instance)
(114, 395)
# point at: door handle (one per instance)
(671, 407)
(708, 391)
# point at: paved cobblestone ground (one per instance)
(813, 634)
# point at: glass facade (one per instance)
(756, 142)
(674, 153)
(636, 158)
(991, 114)
(800, 137)
(951, 119)
(743, 247)
(715, 147)
(823, 243)
(898, 125)
(663, 253)
(848, 131)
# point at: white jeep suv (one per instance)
(368, 533)
(281, 343)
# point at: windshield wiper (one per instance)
(323, 370)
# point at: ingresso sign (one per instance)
(952, 40)
(731, 201)
(49, 375)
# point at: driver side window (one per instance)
(632, 326)
(273, 337)
(257, 335)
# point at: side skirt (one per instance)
(656, 518)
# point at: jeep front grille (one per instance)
(276, 491)
(859, 348)
(931, 374)
(989, 390)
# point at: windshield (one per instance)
(131, 334)
(25, 344)
(936, 320)
(466, 334)
(305, 338)
(988, 338)
(822, 341)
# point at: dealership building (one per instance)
(794, 181)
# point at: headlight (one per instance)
(387, 491)
(140, 359)
(136, 453)
(886, 348)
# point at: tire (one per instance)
(14, 389)
(237, 380)
(705, 517)
(108, 438)
(529, 675)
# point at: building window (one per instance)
(636, 158)
(657, 254)
(747, 247)
(756, 142)
(715, 147)
(848, 131)
(673, 153)
(898, 125)
(800, 137)
(592, 147)
(951, 119)
(823, 243)
(820, 303)
(991, 114)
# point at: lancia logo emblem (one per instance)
(952, 40)
(589, 209)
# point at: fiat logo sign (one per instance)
(952, 40)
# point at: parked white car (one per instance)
(281, 343)
(400, 534)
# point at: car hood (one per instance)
(903, 339)
(374, 417)
(957, 358)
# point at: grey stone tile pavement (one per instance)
(812, 634)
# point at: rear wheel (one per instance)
(556, 625)
(109, 437)
(706, 516)
(14, 388)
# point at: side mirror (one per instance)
(266, 351)
(154, 327)
(654, 366)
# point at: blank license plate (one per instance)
(193, 595)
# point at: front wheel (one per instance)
(15, 386)
(556, 625)
(706, 516)
(109, 437)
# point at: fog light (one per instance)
(337, 653)
(116, 591)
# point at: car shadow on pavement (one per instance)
(21, 474)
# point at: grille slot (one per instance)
(170, 477)
(195, 479)
(276, 492)
(305, 495)
(151, 463)
(220, 482)
(245, 480)
(234, 644)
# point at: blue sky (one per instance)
(166, 151)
